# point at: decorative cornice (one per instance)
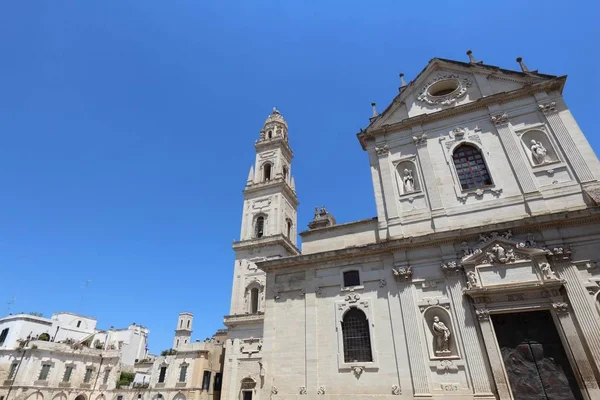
(548, 108)
(382, 150)
(234, 320)
(275, 142)
(273, 183)
(579, 217)
(420, 140)
(266, 241)
(549, 86)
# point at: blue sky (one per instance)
(128, 127)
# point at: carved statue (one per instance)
(530, 242)
(316, 212)
(471, 280)
(547, 271)
(499, 254)
(465, 248)
(539, 151)
(442, 336)
(409, 181)
(508, 234)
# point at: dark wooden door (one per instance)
(534, 358)
(247, 395)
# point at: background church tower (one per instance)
(268, 230)
(183, 333)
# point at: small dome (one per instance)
(276, 117)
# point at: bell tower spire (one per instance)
(268, 231)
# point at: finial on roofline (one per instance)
(373, 104)
(522, 64)
(472, 59)
(402, 81)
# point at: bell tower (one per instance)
(268, 231)
(183, 333)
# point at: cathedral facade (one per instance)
(478, 278)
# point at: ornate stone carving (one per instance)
(381, 150)
(464, 246)
(321, 390)
(358, 370)
(302, 389)
(499, 254)
(395, 390)
(472, 280)
(446, 366)
(420, 140)
(539, 152)
(277, 295)
(547, 272)
(442, 337)
(483, 314)
(561, 308)
(318, 290)
(499, 119)
(547, 107)
(451, 267)
(463, 84)
(496, 191)
(273, 390)
(352, 297)
(382, 282)
(458, 132)
(402, 274)
(560, 253)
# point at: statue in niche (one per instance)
(442, 336)
(539, 152)
(471, 280)
(409, 181)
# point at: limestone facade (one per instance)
(487, 222)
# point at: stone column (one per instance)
(494, 355)
(311, 362)
(474, 352)
(435, 201)
(561, 310)
(567, 143)
(582, 307)
(412, 323)
(515, 158)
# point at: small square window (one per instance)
(351, 278)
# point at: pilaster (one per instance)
(474, 352)
(494, 355)
(582, 307)
(562, 312)
(567, 143)
(435, 201)
(387, 181)
(418, 368)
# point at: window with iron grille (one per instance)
(351, 278)
(470, 167)
(12, 370)
(356, 337)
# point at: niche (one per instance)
(408, 180)
(538, 148)
(440, 332)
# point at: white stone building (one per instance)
(132, 342)
(478, 278)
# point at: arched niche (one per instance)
(36, 396)
(60, 396)
(408, 177)
(538, 147)
(179, 396)
(438, 324)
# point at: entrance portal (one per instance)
(534, 358)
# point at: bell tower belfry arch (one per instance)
(268, 230)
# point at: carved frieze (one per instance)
(446, 366)
(451, 267)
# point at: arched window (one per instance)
(259, 227)
(270, 134)
(351, 278)
(470, 167)
(78, 324)
(285, 172)
(188, 323)
(289, 228)
(267, 172)
(254, 300)
(356, 337)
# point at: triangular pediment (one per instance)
(501, 250)
(446, 83)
